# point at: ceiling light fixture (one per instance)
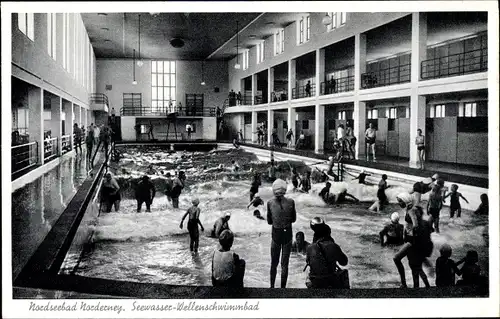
(327, 19)
(134, 82)
(237, 66)
(139, 62)
(202, 72)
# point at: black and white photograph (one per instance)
(250, 159)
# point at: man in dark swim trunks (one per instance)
(370, 137)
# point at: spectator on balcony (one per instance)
(308, 89)
(232, 98)
(238, 97)
(333, 85)
(16, 138)
(78, 138)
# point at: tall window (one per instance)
(372, 114)
(25, 22)
(260, 52)
(392, 114)
(163, 85)
(65, 40)
(51, 34)
(341, 115)
(304, 29)
(339, 19)
(246, 60)
(279, 41)
(437, 111)
(467, 110)
(75, 55)
(343, 18)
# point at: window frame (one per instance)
(246, 59)
(52, 35)
(155, 85)
(279, 41)
(260, 52)
(27, 27)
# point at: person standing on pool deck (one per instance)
(420, 142)
(370, 137)
(178, 185)
(193, 222)
(281, 215)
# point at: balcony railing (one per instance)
(260, 99)
(50, 148)
(455, 64)
(164, 111)
(99, 98)
(279, 96)
(65, 143)
(300, 91)
(246, 100)
(24, 156)
(387, 76)
(344, 84)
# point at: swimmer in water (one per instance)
(382, 197)
(254, 188)
(295, 179)
(306, 183)
(361, 177)
(236, 166)
(256, 202)
(193, 222)
(392, 234)
(455, 201)
(300, 244)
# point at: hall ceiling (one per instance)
(206, 35)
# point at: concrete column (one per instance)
(319, 128)
(77, 111)
(254, 126)
(417, 121)
(270, 83)
(359, 116)
(35, 130)
(270, 126)
(418, 44)
(359, 60)
(68, 122)
(56, 120)
(89, 117)
(320, 69)
(291, 77)
(254, 87)
(292, 114)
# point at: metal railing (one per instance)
(387, 76)
(100, 98)
(455, 64)
(246, 100)
(279, 96)
(260, 99)
(24, 156)
(299, 92)
(50, 148)
(344, 84)
(65, 143)
(164, 111)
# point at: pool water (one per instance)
(151, 248)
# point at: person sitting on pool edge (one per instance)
(193, 222)
(300, 244)
(393, 232)
(220, 225)
(256, 202)
(228, 270)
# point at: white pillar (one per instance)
(359, 116)
(319, 128)
(77, 112)
(359, 59)
(55, 122)
(254, 88)
(35, 129)
(254, 126)
(320, 70)
(68, 121)
(270, 83)
(270, 126)
(291, 77)
(292, 114)
(417, 102)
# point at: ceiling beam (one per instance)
(234, 36)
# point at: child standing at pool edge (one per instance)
(193, 222)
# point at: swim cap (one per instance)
(363, 172)
(195, 201)
(427, 180)
(279, 187)
(256, 195)
(108, 174)
(445, 250)
(330, 158)
(405, 198)
(435, 176)
(395, 217)
(316, 221)
(226, 238)
(228, 214)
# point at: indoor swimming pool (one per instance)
(151, 248)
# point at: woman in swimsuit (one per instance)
(370, 137)
(420, 142)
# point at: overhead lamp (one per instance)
(327, 19)
(139, 62)
(134, 82)
(237, 66)
(202, 72)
